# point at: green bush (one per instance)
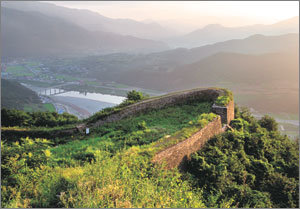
(222, 100)
(250, 166)
(269, 123)
(11, 117)
(135, 95)
(84, 157)
(21, 168)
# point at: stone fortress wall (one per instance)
(175, 155)
(200, 94)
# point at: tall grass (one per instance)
(139, 130)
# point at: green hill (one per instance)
(249, 165)
(14, 95)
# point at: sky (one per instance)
(233, 13)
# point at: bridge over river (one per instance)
(53, 90)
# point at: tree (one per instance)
(269, 123)
(135, 95)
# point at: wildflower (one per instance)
(29, 154)
(47, 153)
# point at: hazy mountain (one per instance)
(266, 82)
(35, 34)
(14, 95)
(215, 33)
(240, 69)
(177, 68)
(256, 44)
(93, 21)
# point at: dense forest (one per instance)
(14, 95)
(249, 165)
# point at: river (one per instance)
(86, 104)
(80, 104)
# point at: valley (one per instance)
(132, 104)
(112, 75)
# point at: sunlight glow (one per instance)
(262, 11)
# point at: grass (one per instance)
(39, 107)
(18, 71)
(223, 100)
(92, 83)
(118, 85)
(39, 83)
(112, 167)
(66, 78)
(127, 179)
(170, 119)
(50, 107)
(194, 126)
(138, 130)
(32, 64)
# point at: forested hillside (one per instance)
(250, 165)
(14, 95)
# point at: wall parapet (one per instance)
(201, 94)
(226, 112)
(176, 155)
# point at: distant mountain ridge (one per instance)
(180, 68)
(255, 44)
(269, 68)
(26, 34)
(216, 33)
(94, 21)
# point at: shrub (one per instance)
(49, 119)
(239, 124)
(258, 165)
(222, 100)
(142, 125)
(269, 123)
(84, 157)
(135, 95)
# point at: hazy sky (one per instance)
(270, 11)
(189, 15)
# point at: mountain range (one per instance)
(217, 33)
(33, 34)
(94, 21)
(168, 61)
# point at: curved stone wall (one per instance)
(175, 156)
(201, 94)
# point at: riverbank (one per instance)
(286, 126)
(80, 107)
